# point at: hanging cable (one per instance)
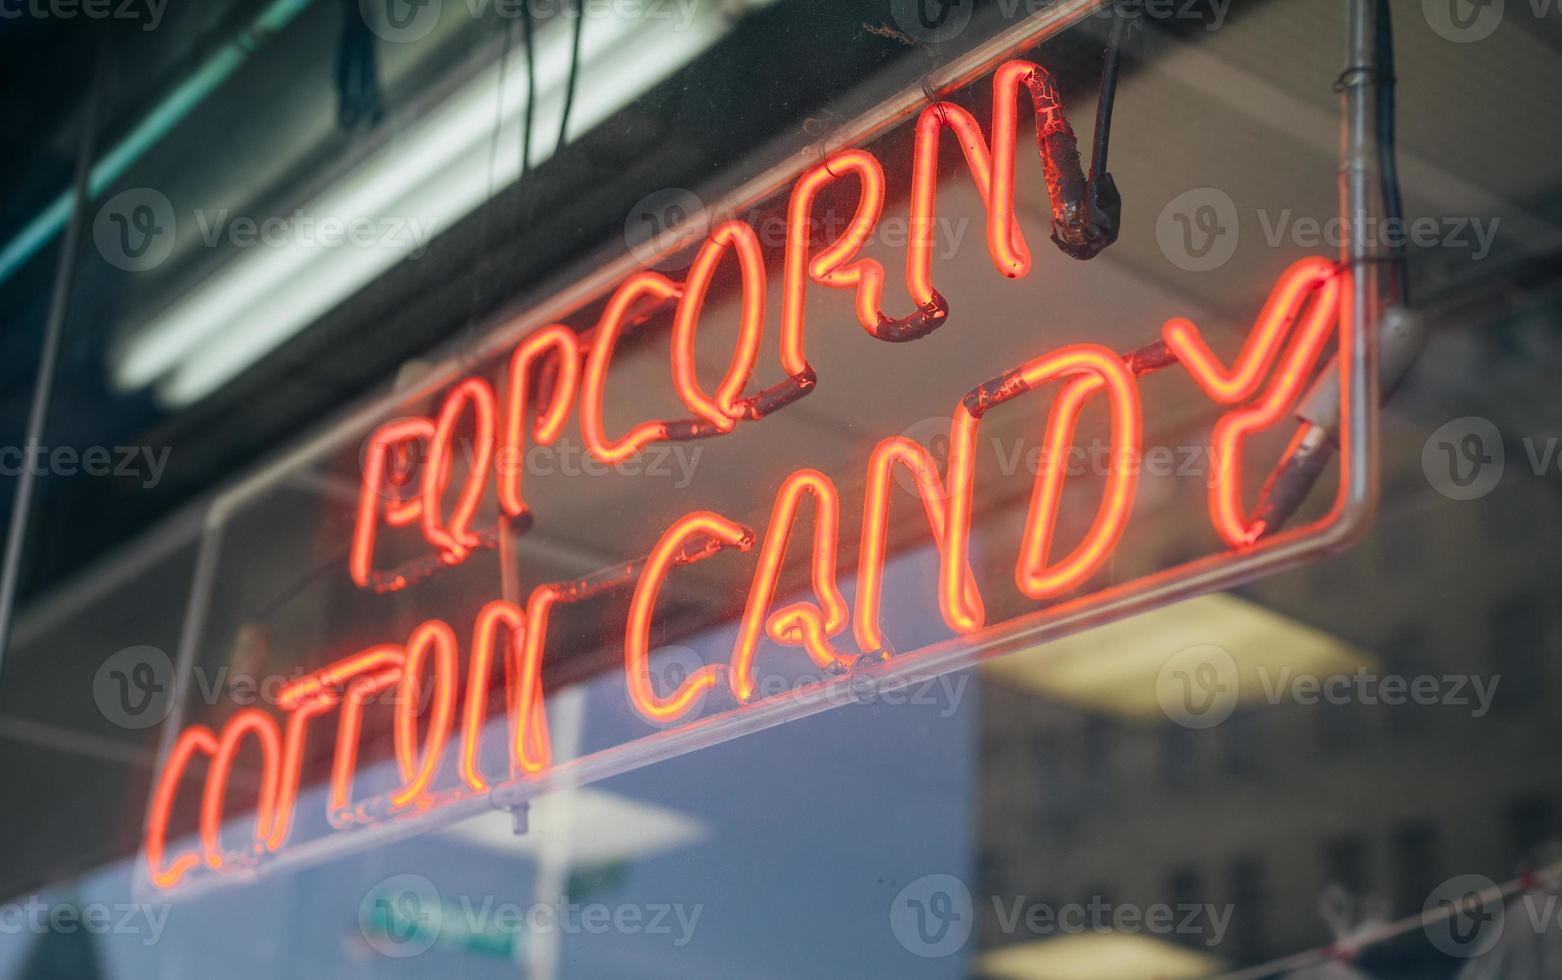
(1388, 151)
(1094, 222)
(577, 31)
(357, 71)
(528, 40)
(1121, 22)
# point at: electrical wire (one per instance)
(578, 31)
(1388, 149)
(357, 71)
(1121, 22)
(528, 40)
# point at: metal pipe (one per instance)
(49, 355)
(1359, 182)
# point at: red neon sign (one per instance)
(439, 719)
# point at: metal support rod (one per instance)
(49, 355)
(1359, 185)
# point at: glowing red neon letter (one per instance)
(722, 411)
(642, 693)
(875, 528)
(392, 437)
(264, 728)
(437, 637)
(560, 342)
(1035, 578)
(196, 738)
(801, 624)
(1313, 279)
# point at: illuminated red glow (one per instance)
(837, 265)
(553, 370)
(436, 638)
(802, 624)
(556, 346)
(375, 496)
(1308, 291)
(454, 539)
(723, 409)
(640, 293)
(1092, 367)
(899, 450)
